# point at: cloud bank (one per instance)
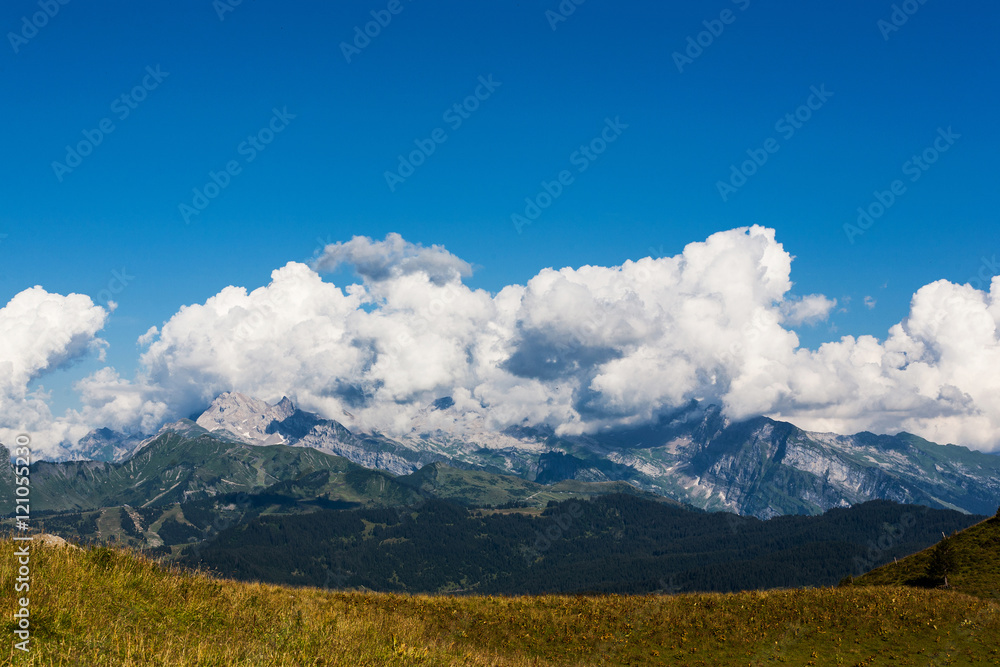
(579, 350)
(41, 332)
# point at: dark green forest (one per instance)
(610, 544)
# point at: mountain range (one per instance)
(758, 467)
(258, 490)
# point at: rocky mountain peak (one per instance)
(105, 444)
(246, 417)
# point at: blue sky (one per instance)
(653, 190)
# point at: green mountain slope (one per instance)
(173, 468)
(191, 465)
(478, 488)
(183, 488)
(757, 466)
(969, 559)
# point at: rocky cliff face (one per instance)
(372, 451)
(105, 444)
(250, 419)
(257, 422)
(765, 468)
(758, 467)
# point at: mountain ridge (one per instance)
(175, 468)
(758, 466)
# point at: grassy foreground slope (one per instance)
(972, 565)
(107, 607)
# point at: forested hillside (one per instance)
(614, 543)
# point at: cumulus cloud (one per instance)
(575, 349)
(810, 309)
(934, 375)
(578, 350)
(41, 332)
(391, 258)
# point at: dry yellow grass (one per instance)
(109, 607)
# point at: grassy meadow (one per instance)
(103, 606)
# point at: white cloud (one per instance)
(391, 258)
(41, 332)
(577, 349)
(810, 309)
